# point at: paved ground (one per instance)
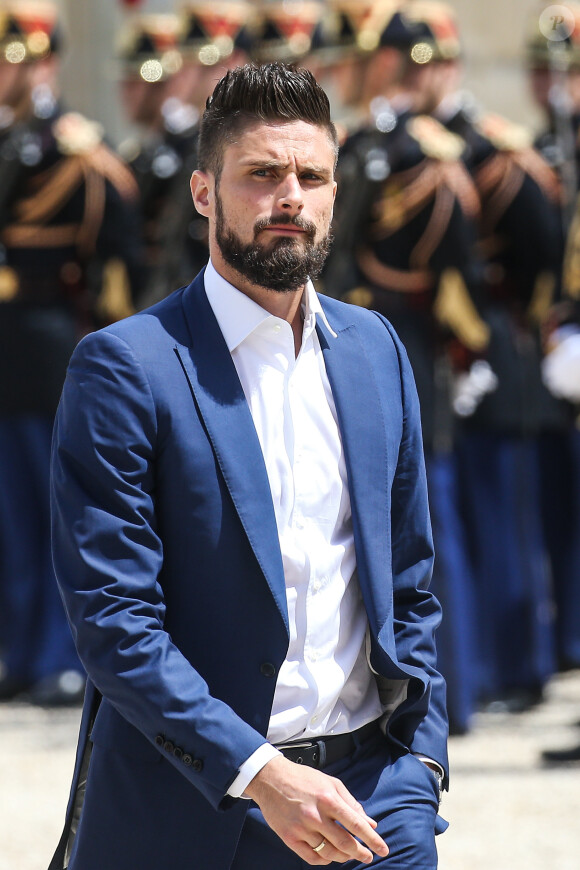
(506, 811)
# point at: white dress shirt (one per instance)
(325, 685)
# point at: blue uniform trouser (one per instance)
(35, 637)
(502, 510)
(453, 584)
(398, 791)
(560, 463)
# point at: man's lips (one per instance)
(285, 228)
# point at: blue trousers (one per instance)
(398, 791)
(34, 634)
(454, 585)
(502, 511)
(560, 465)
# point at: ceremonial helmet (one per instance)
(553, 36)
(423, 30)
(148, 47)
(441, 35)
(286, 30)
(342, 32)
(29, 31)
(211, 30)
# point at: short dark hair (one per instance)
(253, 94)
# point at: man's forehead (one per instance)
(271, 141)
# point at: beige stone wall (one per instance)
(493, 36)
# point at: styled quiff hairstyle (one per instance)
(248, 95)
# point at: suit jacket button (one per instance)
(268, 669)
(178, 752)
(168, 746)
(160, 740)
(197, 765)
(187, 759)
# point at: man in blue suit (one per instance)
(242, 541)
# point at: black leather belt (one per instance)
(327, 750)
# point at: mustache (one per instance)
(306, 226)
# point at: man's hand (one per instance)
(305, 806)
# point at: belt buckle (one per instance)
(310, 746)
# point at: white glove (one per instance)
(470, 387)
(561, 366)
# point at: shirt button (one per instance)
(276, 328)
(316, 585)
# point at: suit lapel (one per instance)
(226, 415)
(363, 433)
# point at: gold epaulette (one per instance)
(434, 140)
(76, 135)
(504, 134)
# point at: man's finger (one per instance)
(361, 829)
(325, 850)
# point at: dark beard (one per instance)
(285, 267)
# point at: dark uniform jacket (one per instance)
(520, 249)
(70, 251)
(404, 241)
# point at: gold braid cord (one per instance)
(407, 194)
(388, 278)
(571, 269)
(500, 179)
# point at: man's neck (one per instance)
(285, 305)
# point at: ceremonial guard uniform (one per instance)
(498, 448)
(554, 67)
(404, 238)
(70, 254)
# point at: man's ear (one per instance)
(202, 189)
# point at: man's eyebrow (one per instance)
(274, 164)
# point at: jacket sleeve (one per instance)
(108, 555)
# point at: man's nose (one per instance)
(290, 196)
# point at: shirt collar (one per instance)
(238, 315)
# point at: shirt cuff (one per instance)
(253, 765)
(426, 760)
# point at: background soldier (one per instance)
(404, 238)
(171, 64)
(70, 252)
(555, 80)
(554, 65)
(499, 460)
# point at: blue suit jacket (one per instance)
(167, 556)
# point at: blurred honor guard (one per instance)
(170, 65)
(499, 448)
(164, 156)
(70, 253)
(553, 56)
(404, 238)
